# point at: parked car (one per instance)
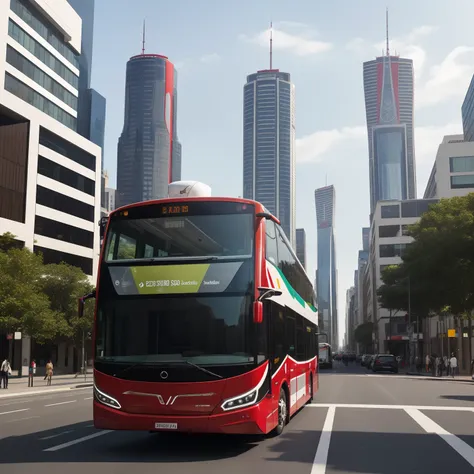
(385, 362)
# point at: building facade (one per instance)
(149, 154)
(350, 319)
(50, 175)
(388, 90)
(389, 240)
(269, 145)
(301, 246)
(326, 280)
(467, 111)
(453, 170)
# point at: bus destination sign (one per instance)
(173, 209)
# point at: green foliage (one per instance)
(363, 333)
(40, 300)
(438, 267)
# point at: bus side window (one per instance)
(291, 335)
(271, 252)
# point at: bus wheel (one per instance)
(282, 413)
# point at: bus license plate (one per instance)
(166, 426)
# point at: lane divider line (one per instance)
(22, 419)
(60, 403)
(56, 435)
(14, 411)
(390, 407)
(321, 457)
(88, 398)
(460, 446)
(77, 441)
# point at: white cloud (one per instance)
(407, 46)
(300, 44)
(448, 79)
(322, 144)
(428, 138)
(314, 147)
(210, 58)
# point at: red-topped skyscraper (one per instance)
(388, 89)
(149, 153)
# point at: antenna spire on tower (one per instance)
(386, 28)
(144, 37)
(271, 45)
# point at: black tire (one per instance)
(282, 413)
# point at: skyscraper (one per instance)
(269, 144)
(326, 277)
(149, 154)
(301, 246)
(388, 89)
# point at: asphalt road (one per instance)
(358, 423)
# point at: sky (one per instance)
(215, 44)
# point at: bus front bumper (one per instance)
(254, 420)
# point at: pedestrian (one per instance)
(453, 362)
(49, 372)
(31, 373)
(427, 363)
(5, 371)
(446, 364)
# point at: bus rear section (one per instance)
(180, 343)
(325, 356)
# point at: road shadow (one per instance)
(466, 398)
(121, 446)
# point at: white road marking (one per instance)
(77, 441)
(60, 403)
(321, 457)
(14, 411)
(21, 419)
(56, 435)
(389, 407)
(430, 426)
(37, 399)
(88, 398)
(39, 392)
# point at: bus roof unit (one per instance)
(186, 189)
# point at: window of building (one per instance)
(54, 256)
(32, 71)
(63, 147)
(462, 181)
(461, 164)
(389, 231)
(390, 211)
(416, 208)
(64, 232)
(60, 202)
(30, 44)
(33, 18)
(35, 99)
(405, 229)
(392, 250)
(66, 176)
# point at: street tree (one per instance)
(23, 305)
(64, 285)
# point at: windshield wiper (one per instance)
(202, 369)
(130, 367)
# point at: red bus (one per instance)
(205, 320)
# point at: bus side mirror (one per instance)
(81, 302)
(257, 312)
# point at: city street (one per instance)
(359, 422)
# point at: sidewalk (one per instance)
(18, 386)
(444, 378)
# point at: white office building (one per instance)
(388, 242)
(453, 170)
(49, 174)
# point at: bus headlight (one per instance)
(105, 399)
(246, 399)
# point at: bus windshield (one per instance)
(186, 235)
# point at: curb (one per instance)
(45, 392)
(430, 377)
(83, 385)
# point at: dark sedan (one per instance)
(385, 362)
